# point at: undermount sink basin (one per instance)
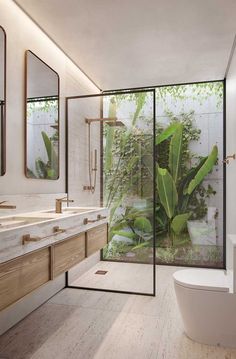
(71, 210)
(12, 222)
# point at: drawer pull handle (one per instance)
(99, 218)
(27, 237)
(86, 220)
(57, 230)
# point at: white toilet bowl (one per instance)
(207, 306)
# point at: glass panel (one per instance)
(127, 139)
(42, 118)
(128, 176)
(190, 174)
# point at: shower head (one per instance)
(111, 121)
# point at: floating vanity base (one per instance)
(46, 252)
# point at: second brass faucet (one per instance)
(59, 203)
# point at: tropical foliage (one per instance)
(182, 192)
(175, 189)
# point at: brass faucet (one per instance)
(6, 206)
(59, 203)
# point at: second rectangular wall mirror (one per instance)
(42, 119)
(2, 101)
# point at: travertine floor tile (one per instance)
(120, 276)
(78, 324)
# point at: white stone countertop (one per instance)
(11, 245)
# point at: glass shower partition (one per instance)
(124, 122)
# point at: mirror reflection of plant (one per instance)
(49, 169)
(55, 136)
(45, 106)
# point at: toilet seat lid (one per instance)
(204, 279)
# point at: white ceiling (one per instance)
(133, 43)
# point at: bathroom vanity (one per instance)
(37, 247)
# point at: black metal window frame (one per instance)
(129, 90)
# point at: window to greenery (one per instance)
(189, 176)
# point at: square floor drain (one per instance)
(101, 272)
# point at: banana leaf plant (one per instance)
(174, 190)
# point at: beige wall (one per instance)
(231, 146)
(27, 194)
(23, 34)
(78, 163)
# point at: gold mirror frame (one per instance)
(56, 126)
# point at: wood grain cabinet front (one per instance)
(96, 239)
(22, 275)
(26, 273)
(68, 253)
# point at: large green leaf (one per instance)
(143, 224)
(176, 152)
(41, 168)
(183, 186)
(169, 131)
(167, 191)
(48, 145)
(179, 222)
(161, 220)
(204, 170)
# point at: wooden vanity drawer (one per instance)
(68, 253)
(22, 275)
(96, 239)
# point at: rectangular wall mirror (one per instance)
(42, 119)
(2, 101)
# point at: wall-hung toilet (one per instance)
(207, 302)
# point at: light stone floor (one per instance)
(120, 276)
(78, 324)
